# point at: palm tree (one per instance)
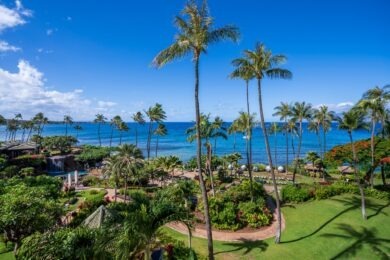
(300, 111)
(112, 171)
(218, 124)
(155, 114)
(312, 157)
(196, 33)
(325, 117)
(245, 124)
(78, 128)
(68, 120)
(263, 64)
(168, 163)
(207, 132)
(314, 125)
(129, 161)
(350, 121)
(293, 131)
(161, 130)
(114, 124)
(374, 103)
(100, 119)
(283, 111)
(232, 130)
(123, 127)
(275, 129)
(138, 118)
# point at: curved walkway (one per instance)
(259, 234)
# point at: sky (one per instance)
(87, 57)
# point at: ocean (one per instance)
(175, 143)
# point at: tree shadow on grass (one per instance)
(379, 211)
(246, 245)
(367, 236)
(353, 203)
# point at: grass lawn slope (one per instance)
(325, 229)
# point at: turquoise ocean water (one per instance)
(175, 142)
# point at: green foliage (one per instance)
(215, 162)
(58, 143)
(92, 201)
(90, 180)
(292, 193)
(10, 171)
(28, 171)
(65, 243)
(255, 214)
(27, 207)
(28, 160)
(93, 154)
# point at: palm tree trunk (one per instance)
(120, 137)
(198, 159)
(156, 145)
(208, 167)
(136, 136)
(112, 133)
(286, 146)
(275, 150)
(324, 144)
(372, 153)
(100, 140)
(357, 179)
(66, 129)
(149, 139)
(299, 151)
(249, 141)
(115, 192)
(125, 188)
(267, 147)
(234, 142)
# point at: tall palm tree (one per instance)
(244, 124)
(283, 111)
(275, 129)
(161, 130)
(374, 103)
(300, 111)
(232, 130)
(263, 64)
(314, 125)
(155, 114)
(293, 132)
(195, 34)
(139, 119)
(218, 124)
(325, 117)
(351, 121)
(114, 124)
(100, 119)
(78, 128)
(122, 127)
(68, 120)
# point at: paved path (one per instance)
(259, 234)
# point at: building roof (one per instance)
(96, 219)
(18, 146)
(346, 169)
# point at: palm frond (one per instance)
(277, 73)
(228, 32)
(175, 51)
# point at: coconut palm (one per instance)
(78, 128)
(263, 64)
(218, 124)
(207, 133)
(100, 119)
(161, 130)
(293, 131)
(283, 111)
(325, 118)
(168, 163)
(274, 129)
(155, 114)
(351, 121)
(129, 161)
(139, 119)
(245, 125)
(114, 124)
(123, 127)
(312, 157)
(314, 125)
(374, 103)
(232, 130)
(300, 111)
(196, 33)
(68, 120)
(112, 171)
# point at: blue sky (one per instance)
(86, 57)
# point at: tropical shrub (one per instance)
(28, 171)
(90, 180)
(293, 193)
(255, 214)
(93, 154)
(58, 143)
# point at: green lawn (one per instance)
(324, 229)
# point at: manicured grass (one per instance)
(323, 229)
(6, 255)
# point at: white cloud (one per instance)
(106, 104)
(25, 92)
(49, 32)
(5, 47)
(339, 107)
(10, 18)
